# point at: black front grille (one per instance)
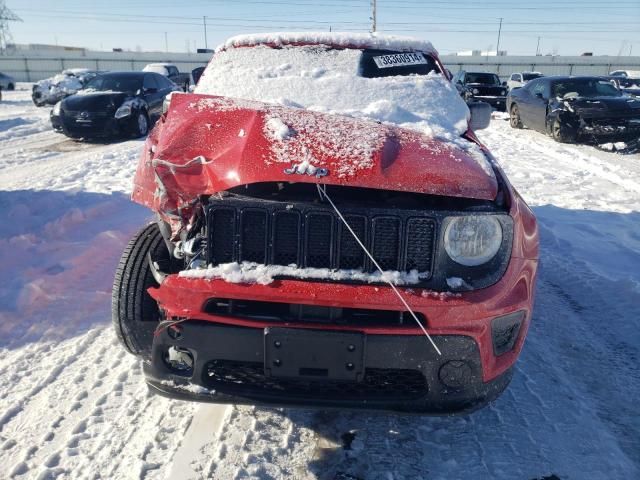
(231, 377)
(312, 235)
(86, 115)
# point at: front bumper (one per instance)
(497, 102)
(461, 324)
(94, 127)
(403, 373)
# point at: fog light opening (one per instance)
(455, 374)
(179, 360)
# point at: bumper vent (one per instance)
(248, 378)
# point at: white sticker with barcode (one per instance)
(400, 60)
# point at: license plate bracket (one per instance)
(314, 355)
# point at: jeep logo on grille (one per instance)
(305, 168)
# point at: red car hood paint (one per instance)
(209, 144)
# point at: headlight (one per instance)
(56, 109)
(475, 91)
(472, 240)
(123, 111)
(503, 92)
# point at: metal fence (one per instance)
(36, 67)
(25, 69)
(505, 66)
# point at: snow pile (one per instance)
(276, 129)
(250, 272)
(325, 80)
(337, 39)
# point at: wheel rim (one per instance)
(556, 128)
(142, 124)
(515, 119)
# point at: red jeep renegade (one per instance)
(329, 232)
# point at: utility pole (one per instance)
(373, 15)
(204, 23)
(6, 16)
(166, 43)
(538, 47)
(499, 32)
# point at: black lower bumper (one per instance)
(95, 128)
(393, 372)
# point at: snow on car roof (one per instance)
(336, 39)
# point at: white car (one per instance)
(625, 73)
(517, 80)
(7, 82)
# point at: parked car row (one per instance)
(51, 90)
(571, 109)
(93, 104)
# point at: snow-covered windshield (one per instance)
(585, 87)
(115, 83)
(157, 68)
(335, 81)
(483, 78)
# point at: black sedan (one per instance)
(575, 108)
(481, 86)
(113, 104)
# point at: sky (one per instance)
(563, 27)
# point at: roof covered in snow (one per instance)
(335, 39)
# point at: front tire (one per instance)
(562, 133)
(142, 124)
(514, 117)
(134, 313)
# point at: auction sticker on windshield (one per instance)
(399, 60)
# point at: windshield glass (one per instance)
(484, 78)
(585, 87)
(337, 81)
(531, 76)
(115, 83)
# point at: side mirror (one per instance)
(196, 73)
(504, 84)
(539, 95)
(480, 115)
(149, 90)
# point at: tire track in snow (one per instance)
(53, 374)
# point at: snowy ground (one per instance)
(73, 404)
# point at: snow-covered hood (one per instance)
(210, 144)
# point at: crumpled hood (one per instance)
(604, 106)
(209, 144)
